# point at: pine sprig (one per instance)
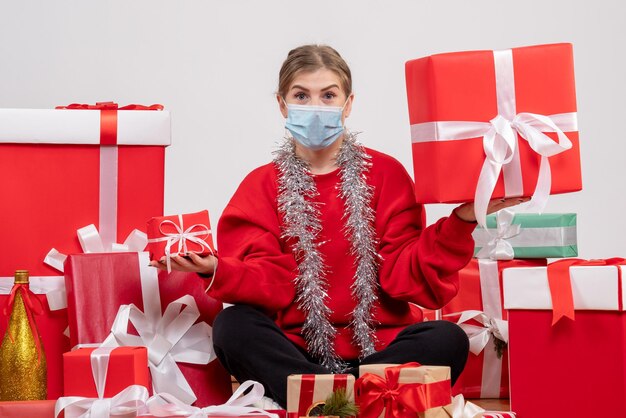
(338, 404)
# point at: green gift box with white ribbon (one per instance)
(526, 235)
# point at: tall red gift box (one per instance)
(456, 99)
(98, 284)
(126, 366)
(480, 301)
(62, 169)
(574, 368)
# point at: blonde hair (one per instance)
(310, 58)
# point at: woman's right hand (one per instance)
(194, 264)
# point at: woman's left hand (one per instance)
(466, 210)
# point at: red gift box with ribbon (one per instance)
(66, 168)
(119, 299)
(493, 124)
(179, 235)
(478, 309)
(403, 391)
(567, 331)
(126, 366)
(104, 381)
(305, 391)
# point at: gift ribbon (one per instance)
(498, 247)
(170, 338)
(500, 140)
(167, 405)
(130, 400)
(562, 236)
(181, 237)
(493, 326)
(33, 307)
(108, 163)
(462, 409)
(376, 393)
(561, 285)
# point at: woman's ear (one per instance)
(348, 108)
(282, 106)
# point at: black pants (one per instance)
(250, 345)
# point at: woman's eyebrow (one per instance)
(299, 87)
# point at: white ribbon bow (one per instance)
(130, 400)
(165, 404)
(462, 409)
(479, 336)
(171, 337)
(181, 237)
(498, 248)
(499, 144)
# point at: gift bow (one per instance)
(479, 335)
(90, 242)
(561, 285)
(128, 401)
(32, 306)
(110, 106)
(500, 143)
(165, 404)
(170, 337)
(461, 409)
(376, 393)
(498, 248)
(181, 237)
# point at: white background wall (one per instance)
(214, 64)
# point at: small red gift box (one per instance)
(126, 366)
(98, 284)
(30, 409)
(480, 301)
(50, 323)
(574, 367)
(304, 391)
(179, 235)
(466, 103)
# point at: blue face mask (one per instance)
(315, 127)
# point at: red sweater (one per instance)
(419, 266)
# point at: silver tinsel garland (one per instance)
(302, 225)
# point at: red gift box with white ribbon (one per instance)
(169, 236)
(567, 333)
(493, 124)
(304, 391)
(118, 299)
(478, 309)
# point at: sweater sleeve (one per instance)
(420, 265)
(253, 269)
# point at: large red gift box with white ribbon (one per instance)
(574, 367)
(478, 309)
(508, 103)
(62, 169)
(117, 298)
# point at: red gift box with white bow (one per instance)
(494, 124)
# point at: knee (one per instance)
(230, 327)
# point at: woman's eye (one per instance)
(300, 96)
(329, 96)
